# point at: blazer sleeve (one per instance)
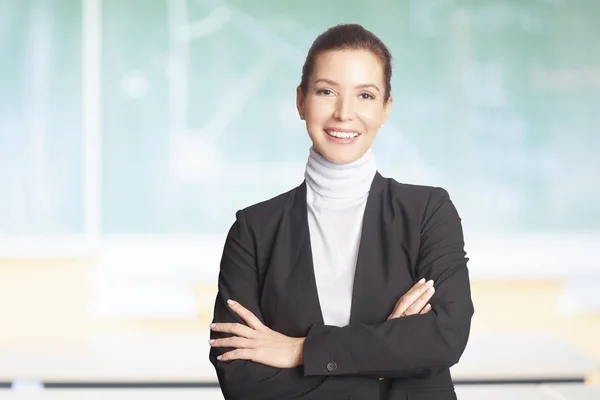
(238, 279)
(416, 344)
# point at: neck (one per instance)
(340, 181)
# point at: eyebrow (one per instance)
(362, 86)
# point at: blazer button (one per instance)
(331, 366)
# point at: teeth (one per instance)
(342, 135)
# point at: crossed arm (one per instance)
(257, 362)
(256, 342)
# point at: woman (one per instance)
(351, 285)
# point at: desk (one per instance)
(522, 357)
(182, 357)
(571, 391)
(501, 392)
(113, 394)
(464, 392)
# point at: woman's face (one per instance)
(344, 104)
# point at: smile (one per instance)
(342, 134)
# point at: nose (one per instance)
(344, 110)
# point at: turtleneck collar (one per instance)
(350, 181)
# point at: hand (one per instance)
(415, 301)
(257, 342)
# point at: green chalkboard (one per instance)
(41, 165)
(497, 101)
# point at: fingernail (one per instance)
(211, 341)
(219, 357)
(430, 290)
(230, 302)
(211, 326)
(430, 282)
(421, 280)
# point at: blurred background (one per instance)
(132, 130)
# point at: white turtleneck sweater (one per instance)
(336, 197)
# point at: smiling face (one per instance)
(344, 105)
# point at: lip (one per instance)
(341, 140)
(343, 130)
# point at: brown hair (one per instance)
(348, 37)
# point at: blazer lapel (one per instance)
(303, 273)
(370, 276)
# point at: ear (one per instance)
(300, 102)
(386, 110)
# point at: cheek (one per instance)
(371, 117)
(318, 111)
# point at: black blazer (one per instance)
(409, 232)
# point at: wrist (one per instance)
(300, 351)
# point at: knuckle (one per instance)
(422, 289)
(255, 356)
(412, 301)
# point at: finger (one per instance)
(419, 282)
(417, 290)
(426, 309)
(400, 306)
(419, 287)
(234, 341)
(238, 354)
(409, 298)
(420, 302)
(233, 328)
(248, 317)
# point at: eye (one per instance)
(367, 96)
(325, 92)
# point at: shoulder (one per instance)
(271, 209)
(418, 201)
(272, 205)
(415, 194)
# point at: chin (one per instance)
(345, 156)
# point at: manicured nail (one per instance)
(430, 282)
(211, 341)
(430, 290)
(230, 302)
(211, 326)
(219, 357)
(421, 280)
